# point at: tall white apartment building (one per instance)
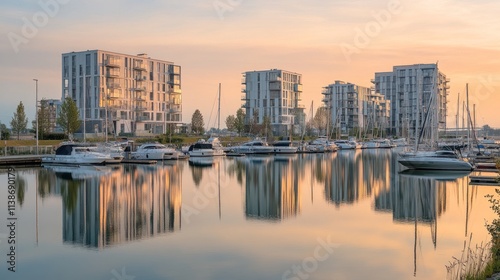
(355, 108)
(276, 94)
(138, 95)
(418, 94)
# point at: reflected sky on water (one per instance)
(243, 218)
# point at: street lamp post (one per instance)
(36, 112)
(84, 108)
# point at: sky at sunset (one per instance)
(217, 40)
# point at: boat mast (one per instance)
(457, 115)
(468, 122)
(218, 113)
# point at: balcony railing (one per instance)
(139, 89)
(113, 74)
(140, 108)
(114, 86)
(139, 67)
(112, 63)
(297, 87)
(143, 118)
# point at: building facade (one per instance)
(418, 95)
(123, 94)
(355, 109)
(274, 94)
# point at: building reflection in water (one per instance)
(105, 206)
(272, 187)
(355, 175)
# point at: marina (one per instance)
(247, 216)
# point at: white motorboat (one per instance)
(437, 160)
(345, 145)
(155, 151)
(216, 146)
(400, 142)
(355, 144)
(384, 143)
(321, 145)
(209, 148)
(114, 150)
(76, 154)
(256, 146)
(372, 144)
(284, 147)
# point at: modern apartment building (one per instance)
(131, 94)
(417, 92)
(274, 94)
(354, 108)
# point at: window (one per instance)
(87, 64)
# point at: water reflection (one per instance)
(105, 206)
(272, 187)
(354, 175)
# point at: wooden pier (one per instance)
(24, 160)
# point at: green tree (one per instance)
(266, 128)
(321, 119)
(239, 122)
(230, 123)
(68, 117)
(197, 123)
(19, 120)
(4, 131)
(43, 119)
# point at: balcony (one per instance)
(274, 86)
(114, 95)
(140, 97)
(114, 86)
(244, 97)
(244, 81)
(112, 63)
(141, 89)
(113, 74)
(143, 118)
(140, 67)
(326, 91)
(140, 78)
(297, 87)
(140, 108)
(275, 79)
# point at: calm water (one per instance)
(348, 215)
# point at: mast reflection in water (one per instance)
(105, 206)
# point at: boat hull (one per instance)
(435, 163)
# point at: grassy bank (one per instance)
(483, 260)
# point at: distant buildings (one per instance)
(137, 95)
(414, 91)
(274, 94)
(52, 108)
(355, 109)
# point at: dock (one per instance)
(138, 161)
(484, 180)
(24, 160)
